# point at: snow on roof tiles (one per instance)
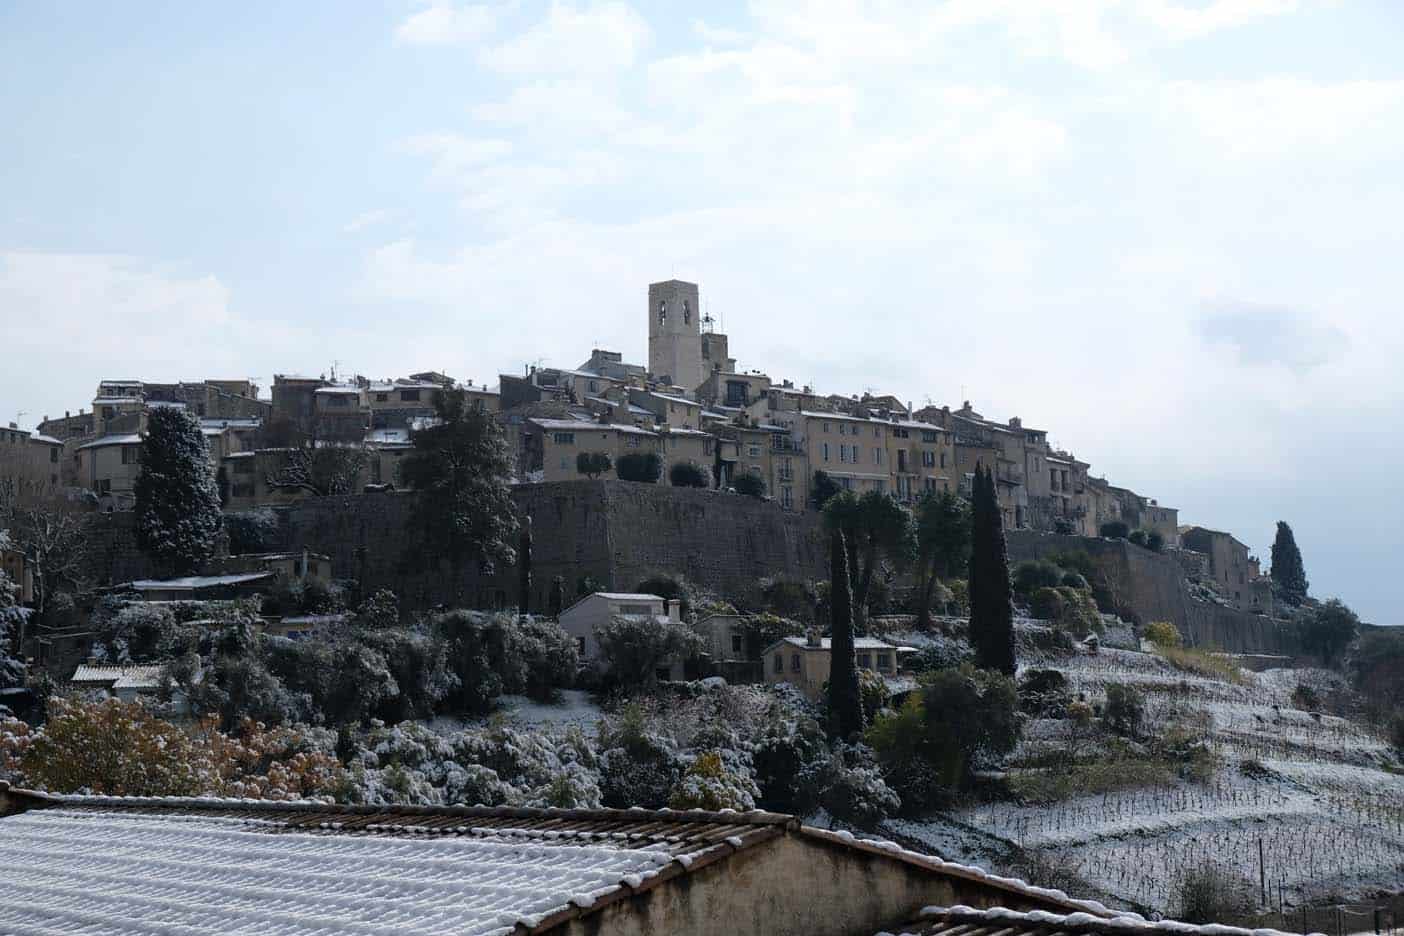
(126, 873)
(197, 581)
(141, 676)
(935, 921)
(129, 439)
(859, 643)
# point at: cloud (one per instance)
(448, 24)
(365, 220)
(598, 38)
(1269, 335)
(1182, 22)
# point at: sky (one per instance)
(1166, 231)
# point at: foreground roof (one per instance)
(127, 866)
(968, 921)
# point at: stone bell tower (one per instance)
(675, 333)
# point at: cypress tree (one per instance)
(845, 709)
(991, 606)
(1288, 574)
(177, 499)
(524, 569)
(557, 596)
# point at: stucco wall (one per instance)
(791, 886)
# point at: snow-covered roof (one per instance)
(196, 581)
(612, 596)
(571, 425)
(388, 436)
(937, 921)
(113, 401)
(47, 440)
(131, 438)
(859, 643)
(684, 431)
(119, 867)
(130, 676)
(165, 404)
(818, 414)
(348, 391)
(674, 399)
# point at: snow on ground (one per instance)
(574, 708)
(1317, 795)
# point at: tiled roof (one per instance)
(131, 676)
(998, 921)
(197, 581)
(129, 439)
(859, 643)
(137, 866)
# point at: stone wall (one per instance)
(1153, 586)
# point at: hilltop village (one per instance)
(674, 647)
(691, 417)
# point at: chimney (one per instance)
(65, 414)
(812, 639)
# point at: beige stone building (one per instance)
(850, 449)
(1234, 570)
(804, 662)
(109, 467)
(551, 446)
(675, 334)
(921, 459)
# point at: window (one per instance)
(564, 438)
(662, 311)
(877, 456)
(879, 486)
(794, 662)
(877, 432)
(565, 463)
(884, 662)
(901, 433)
(594, 386)
(409, 396)
(826, 451)
(107, 412)
(53, 455)
(843, 453)
(382, 398)
(928, 459)
(580, 645)
(735, 643)
(632, 441)
(943, 459)
(131, 454)
(779, 662)
(243, 466)
(826, 427)
(754, 451)
(865, 661)
(787, 497)
(687, 312)
(337, 400)
(928, 436)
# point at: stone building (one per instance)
(1233, 569)
(550, 447)
(675, 334)
(804, 662)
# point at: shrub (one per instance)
(1211, 893)
(251, 531)
(646, 467)
(1126, 708)
(1203, 663)
(1155, 541)
(1070, 609)
(633, 648)
(749, 483)
(873, 694)
(707, 784)
(1162, 634)
(686, 474)
(856, 792)
(1044, 692)
(789, 758)
(1064, 527)
(1114, 529)
(1138, 537)
(956, 721)
(638, 767)
(1033, 574)
(1306, 698)
(593, 464)
(1396, 733)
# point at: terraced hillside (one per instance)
(1221, 764)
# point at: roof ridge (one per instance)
(756, 817)
(1118, 925)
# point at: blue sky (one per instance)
(1167, 231)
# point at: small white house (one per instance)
(581, 619)
(127, 682)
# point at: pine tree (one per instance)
(991, 607)
(177, 499)
(1288, 574)
(845, 707)
(459, 470)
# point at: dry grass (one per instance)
(1203, 663)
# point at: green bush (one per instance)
(1155, 542)
(1162, 634)
(593, 464)
(749, 483)
(686, 474)
(1115, 529)
(1126, 708)
(645, 467)
(1033, 574)
(1044, 692)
